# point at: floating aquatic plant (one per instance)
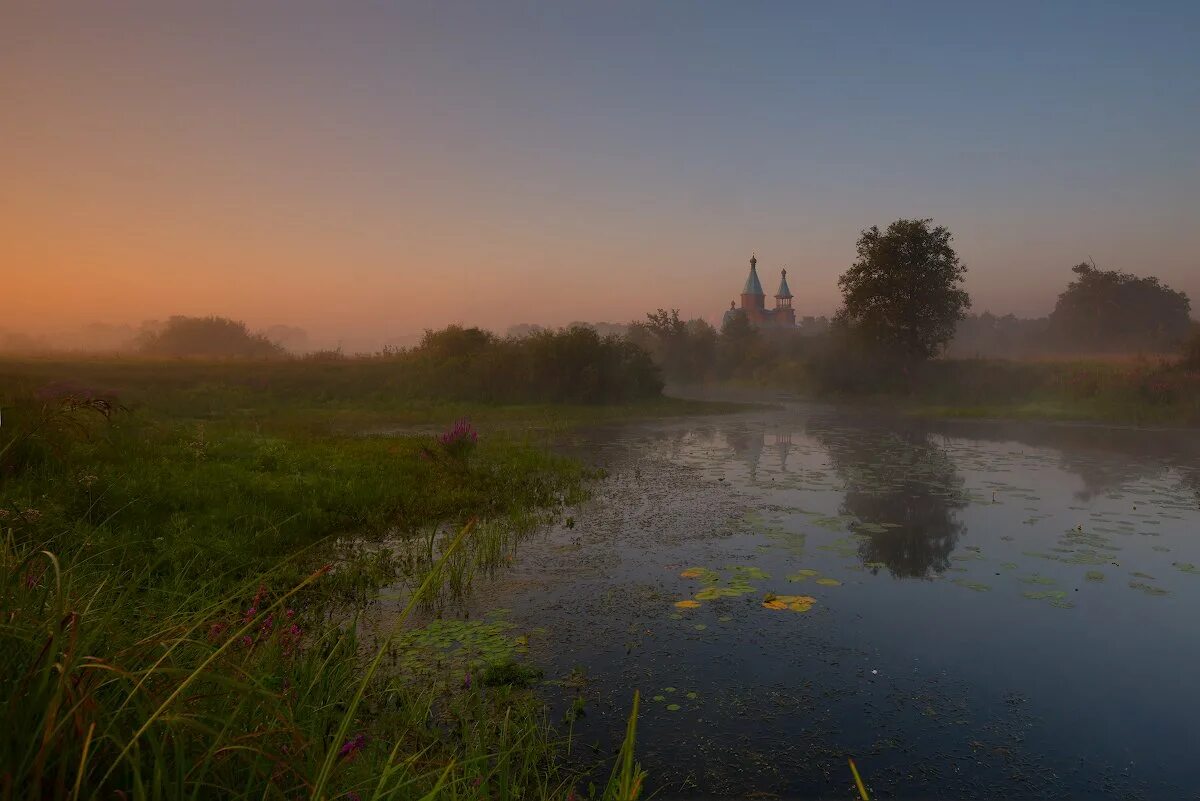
(972, 585)
(803, 574)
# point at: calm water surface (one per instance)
(1012, 611)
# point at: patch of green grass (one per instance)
(185, 587)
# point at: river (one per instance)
(986, 610)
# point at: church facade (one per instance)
(754, 302)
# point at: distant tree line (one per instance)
(570, 365)
(903, 304)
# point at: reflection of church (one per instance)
(754, 302)
(749, 445)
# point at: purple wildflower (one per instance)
(459, 440)
(467, 681)
(352, 746)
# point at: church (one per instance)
(754, 302)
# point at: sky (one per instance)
(365, 170)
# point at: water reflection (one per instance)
(1105, 458)
(904, 491)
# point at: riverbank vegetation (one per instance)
(1116, 348)
(190, 554)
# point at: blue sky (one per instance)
(507, 162)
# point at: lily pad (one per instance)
(777, 605)
(829, 582)
(1094, 575)
(672, 707)
(702, 573)
(747, 572)
(1045, 595)
(803, 574)
(972, 585)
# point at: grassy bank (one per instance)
(1134, 392)
(1129, 391)
(187, 550)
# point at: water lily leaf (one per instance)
(747, 572)
(803, 574)
(672, 707)
(700, 627)
(713, 593)
(1187, 567)
(702, 573)
(668, 689)
(687, 603)
(1094, 575)
(693, 696)
(829, 582)
(774, 605)
(660, 698)
(1149, 589)
(1045, 595)
(972, 585)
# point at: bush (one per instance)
(1191, 350)
(209, 337)
(571, 365)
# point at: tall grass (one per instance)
(181, 610)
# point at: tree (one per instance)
(684, 350)
(902, 297)
(208, 337)
(740, 346)
(1106, 310)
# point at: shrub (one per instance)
(1191, 350)
(209, 337)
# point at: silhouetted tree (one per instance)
(740, 346)
(1106, 310)
(208, 337)
(902, 296)
(684, 350)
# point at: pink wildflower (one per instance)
(352, 746)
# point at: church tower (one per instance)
(784, 313)
(754, 300)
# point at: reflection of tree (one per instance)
(905, 482)
(1105, 458)
(747, 445)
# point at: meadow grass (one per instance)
(186, 560)
(1126, 391)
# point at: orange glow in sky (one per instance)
(368, 172)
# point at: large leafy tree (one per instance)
(903, 295)
(1106, 310)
